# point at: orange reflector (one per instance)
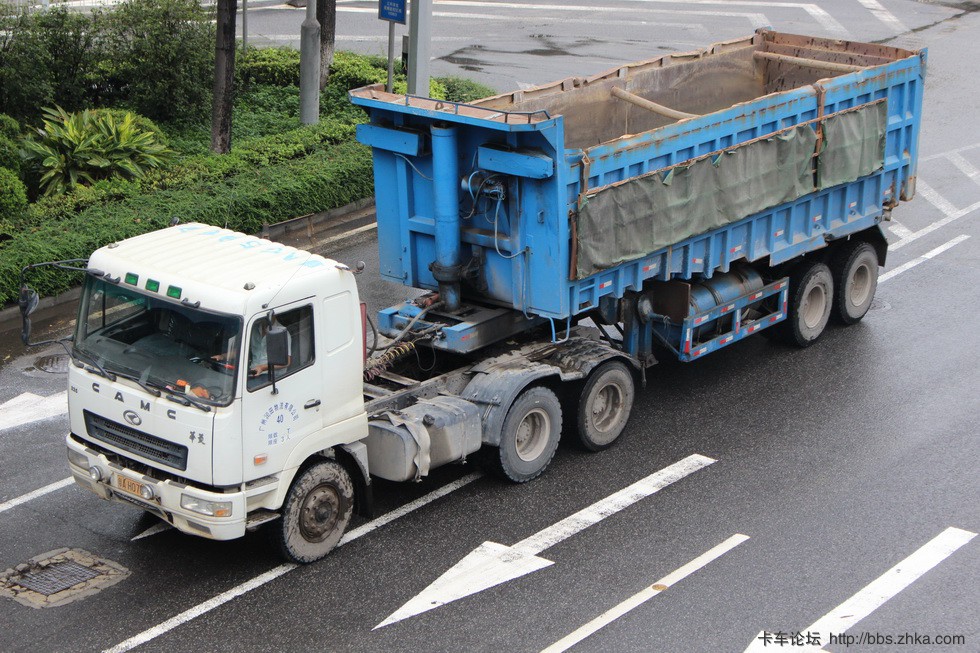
(222, 512)
(261, 459)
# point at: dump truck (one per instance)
(562, 238)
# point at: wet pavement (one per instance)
(838, 462)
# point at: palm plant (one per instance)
(73, 149)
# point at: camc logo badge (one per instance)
(132, 418)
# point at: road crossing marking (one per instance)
(28, 407)
(952, 214)
(964, 166)
(922, 259)
(884, 15)
(880, 590)
(492, 564)
(646, 594)
(899, 229)
(281, 570)
(40, 492)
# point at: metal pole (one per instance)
(244, 26)
(391, 56)
(419, 36)
(309, 67)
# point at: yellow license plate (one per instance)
(128, 485)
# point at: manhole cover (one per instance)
(54, 364)
(59, 577)
(56, 578)
(879, 305)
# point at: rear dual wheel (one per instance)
(855, 271)
(604, 406)
(811, 294)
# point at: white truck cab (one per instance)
(170, 407)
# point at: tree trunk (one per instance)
(326, 15)
(224, 77)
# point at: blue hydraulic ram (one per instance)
(569, 199)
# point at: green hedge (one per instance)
(323, 180)
(13, 199)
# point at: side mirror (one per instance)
(277, 346)
(28, 303)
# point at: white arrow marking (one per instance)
(874, 595)
(646, 594)
(491, 564)
(29, 407)
(153, 530)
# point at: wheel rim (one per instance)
(319, 513)
(607, 407)
(532, 435)
(814, 306)
(860, 285)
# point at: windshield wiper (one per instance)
(185, 400)
(138, 381)
(97, 368)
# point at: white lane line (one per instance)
(964, 166)
(885, 16)
(922, 259)
(272, 574)
(755, 19)
(40, 492)
(952, 214)
(890, 583)
(876, 593)
(29, 407)
(646, 594)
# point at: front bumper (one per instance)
(165, 503)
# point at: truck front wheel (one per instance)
(316, 512)
(855, 270)
(604, 406)
(529, 436)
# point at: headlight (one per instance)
(95, 473)
(210, 508)
(77, 459)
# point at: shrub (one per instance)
(142, 123)
(81, 148)
(165, 55)
(9, 127)
(459, 89)
(13, 197)
(326, 179)
(25, 63)
(9, 154)
(271, 66)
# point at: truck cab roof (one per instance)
(224, 270)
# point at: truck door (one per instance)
(274, 423)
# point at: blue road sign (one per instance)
(393, 10)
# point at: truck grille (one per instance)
(129, 439)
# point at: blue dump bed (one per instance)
(545, 200)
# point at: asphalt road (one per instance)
(837, 462)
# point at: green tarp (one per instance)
(633, 218)
(854, 145)
(629, 220)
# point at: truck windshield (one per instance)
(172, 347)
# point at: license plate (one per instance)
(128, 485)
